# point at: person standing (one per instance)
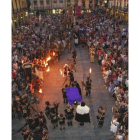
(92, 53)
(69, 47)
(88, 86)
(82, 114)
(114, 124)
(69, 114)
(61, 119)
(70, 74)
(64, 94)
(74, 55)
(54, 118)
(47, 109)
(101, 115)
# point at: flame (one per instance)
(46, 64)
(22, 61)
(49, 58)
(61, 72)
(53, 53)
(90, 70)
(40, 91)
(48, 69)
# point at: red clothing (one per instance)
(13, 74)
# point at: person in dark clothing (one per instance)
(69, 114)
(74, 55)
(54, 118)
(64, 94)
(47, 109)
(82, 114)
(88, 86)
(56, 105)
(70, 74)
(101, 115)
(78, 86)
(61, 119)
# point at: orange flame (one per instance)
(46, 64)
(53, 53)
(48, 69)
(90, 70)
(40, 91)
(22, 61)
(61, 72)
(49, 58)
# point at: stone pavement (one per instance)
(99, 96)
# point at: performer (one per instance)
(69, 114)
(47, 109)
(70, 74)
(54, 118)
(72, 65)
(88, 86)
(101, 115)
(61, 121)
(82, 114)
(64, 94)
(66, 69)
(74, 55)
(78, 86)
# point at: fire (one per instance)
(22, 61)
(61, 72)
(53, 53)
(40, 91)
(46, 64)
(48, 69)
(49, 58)
(90, 70)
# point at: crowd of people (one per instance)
(105, 41)
(100, 34)
(36, 45)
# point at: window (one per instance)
(35, 2)
(41, 2)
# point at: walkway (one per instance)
(52, 92)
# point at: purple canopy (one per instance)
(73, 94)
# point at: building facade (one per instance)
(119, 7)
(57, 6)
(19, 12)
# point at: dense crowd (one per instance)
(36, 45)
(100, 34)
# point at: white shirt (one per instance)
(126, 83)
(120, 79)
(120, 137)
